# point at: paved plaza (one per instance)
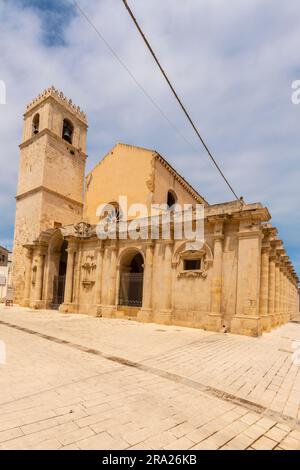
(78, 382)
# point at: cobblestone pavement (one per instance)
(76, 382)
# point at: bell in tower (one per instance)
(36, 124)
(67, 131)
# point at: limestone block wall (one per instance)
(124, 171)
(63, 169)
(31, 164)
(27, 229)
(164, 181)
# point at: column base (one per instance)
(273, 320)
(37, 304)
(68, 308)
(163, 317)
(108, 311)
(244, 325)
(214, 322)
(145, 315)
(96, 310)
(266, 323)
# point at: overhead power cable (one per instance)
(177, 97)
(122, 63)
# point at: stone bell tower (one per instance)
(51, 173)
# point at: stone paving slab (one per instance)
(56, 396)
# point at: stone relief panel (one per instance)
(88, 269)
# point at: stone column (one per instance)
(145, 313)
(98, 283)
(264, 289)
(113, 274)
(285, 287)
(165, 314)
(109, 309)
(215, 316)
(246, 319)
(28, 272)
(277, 292)
(281, 290)
(68, 298)
(271, 298)
(38, 289)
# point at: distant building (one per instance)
(5, 273)
(3, 256)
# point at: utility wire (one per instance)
(172, 125)
(114, 53)
(177, 97)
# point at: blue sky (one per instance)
(233, 66)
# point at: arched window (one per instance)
(171, 199)
(111, 212)
(68, 129)
(36, 124)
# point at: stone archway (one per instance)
(59, 278)
(56, 272)
(131, 279)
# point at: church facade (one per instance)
(239, 279)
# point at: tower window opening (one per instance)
(171, 199)
(68, 130)
(36, 124)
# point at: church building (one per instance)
(239, 280)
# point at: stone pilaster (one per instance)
(264, 290)
(281, 290)
(28, 272)
(246, 319)
(69, 285)
(99, 275)
(215, 320)
(110, 308)
(145, 314)
(271, 298)
(39, 279)
(164, 316)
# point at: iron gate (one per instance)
(58, 291)
(131, 289)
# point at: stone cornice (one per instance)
(52, 134)
(50, 191)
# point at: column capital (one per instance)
(218, 237)
(29, 250)
(249, 234)
(167, 242)
(149, 244)
(100, 246)
(42, 250)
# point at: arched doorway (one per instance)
(131, 279)
(59, 279)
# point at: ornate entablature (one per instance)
(192, 259)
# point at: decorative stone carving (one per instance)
(191, 251)
(89, 269)
(82, 230)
